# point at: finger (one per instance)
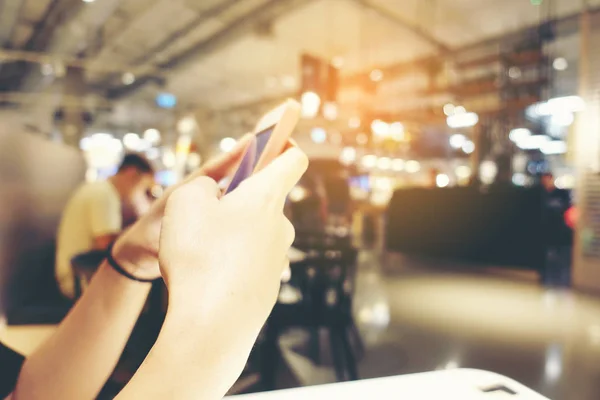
(279, 177)
(221, 166)
(289, 232)
(195, 194)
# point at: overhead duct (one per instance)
(9, 16)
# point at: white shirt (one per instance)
(93, 211)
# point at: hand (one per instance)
(136, 249)
(222, 258)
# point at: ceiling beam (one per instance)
(10, 11)
(409, 25)
(233, 31)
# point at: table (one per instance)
(458, 384)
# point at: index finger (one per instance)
(218, 167)
(283, 173)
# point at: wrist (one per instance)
(134, 258)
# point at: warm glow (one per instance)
(348, 155)
(311, 102)
(227, 144)
(169, 158)
(397, 131)
(560, 64)
(384, 163)
(187, 125)
(369, 161)
(457, 140)
(330, 111)
(132, 141)
(354, 123)
(298, 193)
(194, 160)
(488, 171)
(442, 180)
(449, 109)
(412, 166)
(462, 120)
(380, 128)
(152, 136)
(468, 147)
(398, 164)
(463, 172)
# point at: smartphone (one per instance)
(272, 134)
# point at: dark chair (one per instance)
(84, 266)
(325, 281)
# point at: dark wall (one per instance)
(498, 227)
(36, 180)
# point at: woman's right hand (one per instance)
(222, 257)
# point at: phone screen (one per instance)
(251, 158)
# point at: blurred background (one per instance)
(450, 217)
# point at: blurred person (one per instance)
(558, 236)
(93, 217)
(221, 259)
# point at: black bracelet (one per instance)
(115, 265)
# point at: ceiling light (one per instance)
(518, 134)
(354, 123)
(488, 171)
(412, 166)
(384, 163)
(194, 160)
(449, 109)
(519, 179)
(398, 164)
(131, 141)
(397, 131)
(47, 69)
(369, 161)
(227, 144)
(376, 75)
(514, 72)
(380, 128)
(152, 153)
(459, 110)
(348, 155)
(554, 147)
(169, 158)
(457, 140)
(318, 135)
(311, 102)
(463, 172)
(560, 64)
(442, 180)
(152, 136)
(465, 120)
(534, 142)
(128, 78)
(563, 119)
(468, 147)
(187, 125)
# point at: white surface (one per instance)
(459, 384)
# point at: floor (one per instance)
(419, 315)
(422, 315)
